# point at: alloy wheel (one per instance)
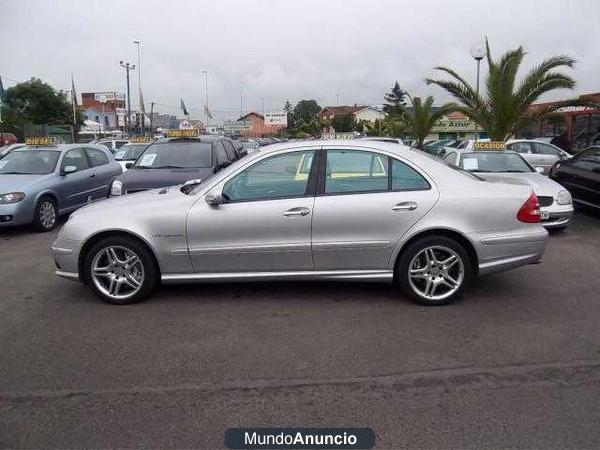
(117, 272)
(436, 272)
(47, 214)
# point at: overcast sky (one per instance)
(286, 49)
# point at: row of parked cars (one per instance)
(196, 208)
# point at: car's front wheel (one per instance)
(120, 270)
(45, 215)
(434, 270)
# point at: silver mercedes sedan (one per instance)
(313, 210)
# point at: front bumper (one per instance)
(13, 214)
(65, 253)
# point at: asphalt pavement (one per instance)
(514, 363)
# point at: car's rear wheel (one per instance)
(45, 215)
(120, 270)
(434, 270)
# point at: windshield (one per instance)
(175, 154)
(493, 162)
(130, 152)
(29, 162)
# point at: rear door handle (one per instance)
(405, 206)
(296, 212)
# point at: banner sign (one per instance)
(192, 133)
(276, 119)
(489, 145)
(37, 141)
(140, 140)
(104, 97)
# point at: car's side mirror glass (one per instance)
(128, 165)
(69, 169)
(214, 198)
(539, 169)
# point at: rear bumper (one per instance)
(498, 252)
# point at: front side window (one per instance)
(77, 158)
(279, 176)
(355, 171)
(96, 157)
(451, 158)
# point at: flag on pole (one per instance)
(184, 109)
(207, 112)
(73, 100)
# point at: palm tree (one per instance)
(422, 117)
(504, 106)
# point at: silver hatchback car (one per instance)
(327, 210)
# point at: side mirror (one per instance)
(214, 199)
(128, 165)
(539, 169)
(69, 169)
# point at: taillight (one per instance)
(530, 211)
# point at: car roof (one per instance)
(61, 147)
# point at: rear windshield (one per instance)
(37, 162)
(175, 154)
(493, 162)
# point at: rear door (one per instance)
(365, 202)
(546, 154)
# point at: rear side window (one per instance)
(230, 150)
(520, 147)
(546, 149)
(405, 178)
(451, 158)
(355, 171)
(220, 154)
(96, 157)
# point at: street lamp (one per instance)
(477, 52)
(138, 43)
(128, 67)
(205, 72)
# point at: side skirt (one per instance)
(381, 276)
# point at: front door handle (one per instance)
(405, 206)
(92, 175)
(296, 212)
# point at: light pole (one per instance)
(262, 99)
(127, 68)
(138, 43)
(337, 99)
(205, 72)
(477, 53)
(241, 102)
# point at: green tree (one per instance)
(343, 123)
(504, 105)
(420, 119)
(306, 111)
(35, 102)
(289, 110)
(394, 100)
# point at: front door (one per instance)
(365, 203)
(264, 224)
(74, 188)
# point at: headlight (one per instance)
(116, 188)
(564, 198)
(11, 197)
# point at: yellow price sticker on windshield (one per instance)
(193, 133)
(37, 141)
(490, 145)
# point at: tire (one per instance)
(431, 276)
(115, 280)
(45, 216)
